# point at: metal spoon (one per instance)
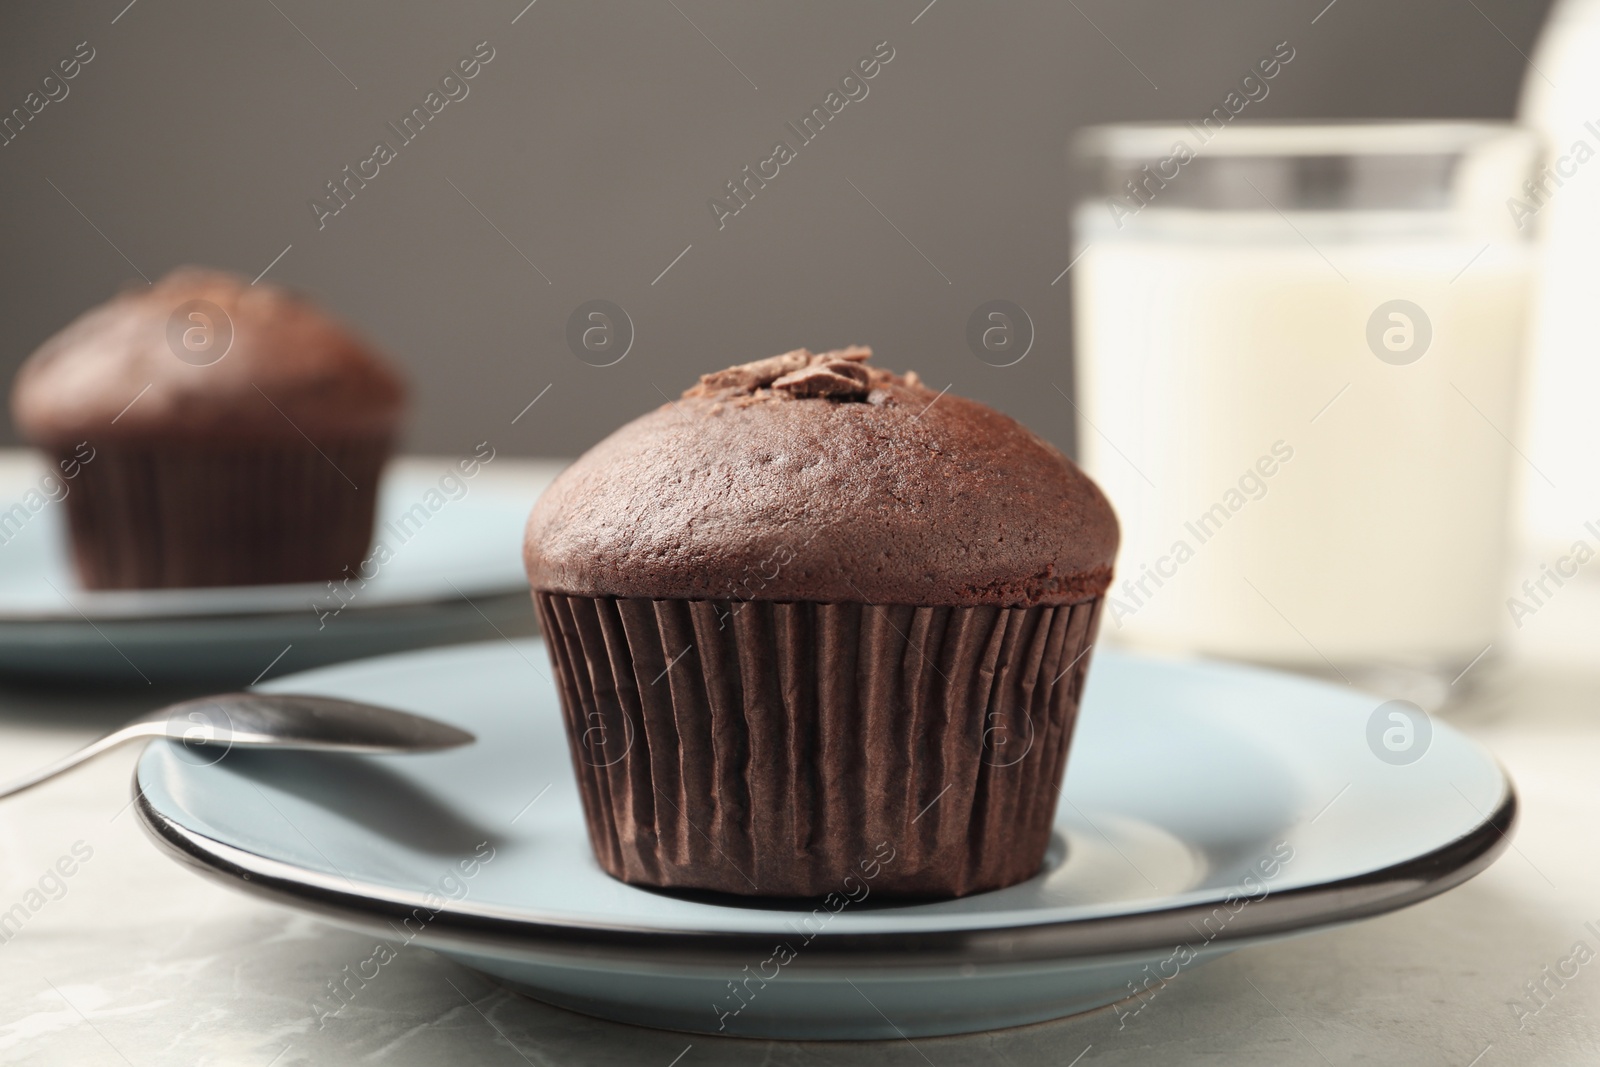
(269, 720)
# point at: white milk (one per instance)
(1364, 530)
(1561, 98)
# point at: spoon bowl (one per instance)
(289, 720)
(269, 720)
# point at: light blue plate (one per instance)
(1207, 807)
(455, 575)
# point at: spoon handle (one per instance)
(131, 732)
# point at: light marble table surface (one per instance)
(136, 960)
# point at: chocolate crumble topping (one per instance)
(840, 375)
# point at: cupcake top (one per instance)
(204, 355)
(814, 476)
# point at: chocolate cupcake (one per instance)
(815, 624)
(236, 434)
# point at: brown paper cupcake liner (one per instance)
(776, 749)
(181, 514)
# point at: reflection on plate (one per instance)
(1207, 807)
(455, 574)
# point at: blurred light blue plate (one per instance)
(1189, 785)
(457, 576)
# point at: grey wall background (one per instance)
(592, 141)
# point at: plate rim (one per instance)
(397, 606)
(498, 930)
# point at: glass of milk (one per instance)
(1297, 376)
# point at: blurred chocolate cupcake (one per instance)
(238, 434)
(816, 625)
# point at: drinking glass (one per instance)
(1297, 376)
